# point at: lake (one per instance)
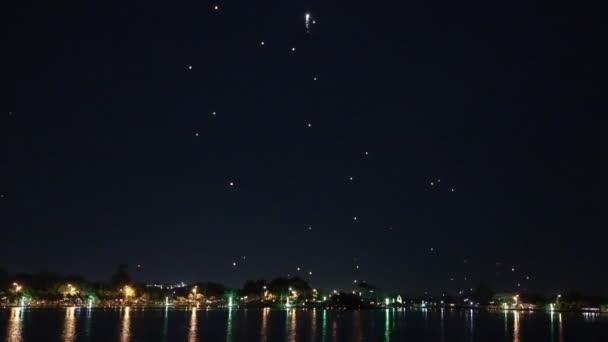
(131, 324)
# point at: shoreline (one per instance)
(303, 308)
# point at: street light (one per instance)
(129, 291)
(264, 292)
(194, 292)
(71, 290)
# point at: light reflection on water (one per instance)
(357, 326)
(334, 329)
(125, 332)
(229, 326)
(192, 332)
(387, 326)
(471, 324)
(69, 326)
(442, 329)
(313, 325)
(264, 329)
(15, 325)
(506, 320)
(324, 326)
(552, 325)
(290, 330)
(425, 318)
(516, 326)
(87, 327)
(166, 325)
(560, 331)
(74, 324)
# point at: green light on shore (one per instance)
(166, 301)
(229, 302)
(387, 301)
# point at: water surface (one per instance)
(130, 324)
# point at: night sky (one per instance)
(197, 143)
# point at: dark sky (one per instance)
(111, 152)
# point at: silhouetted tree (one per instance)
(369, 291)
(347, 301)
(280, 286)
(4, 282)
(3, 278)
(253, 288)
(482, 294)
(121, 276)
(211, 289)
